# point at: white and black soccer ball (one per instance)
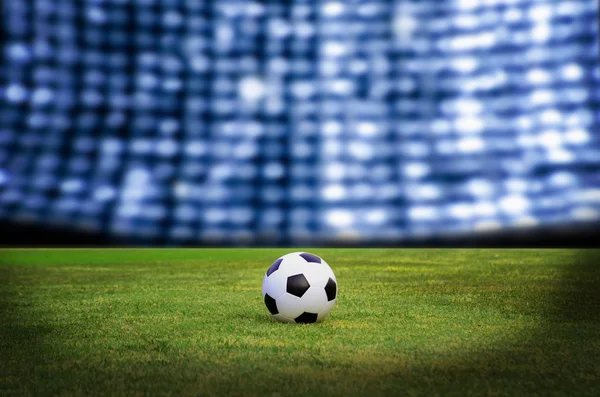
(299, 287)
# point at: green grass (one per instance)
(407, 322)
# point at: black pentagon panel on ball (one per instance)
(271, 304)
(297, 285)
(306, 318)
(331, 289)
(274, 266)
(310, 257)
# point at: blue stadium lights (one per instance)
(235, 121)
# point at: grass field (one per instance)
(407, 322)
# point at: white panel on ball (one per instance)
(314, 299)
(290, 305)
(316, 274)
(275, 284)
(291, 266)
(325, 310)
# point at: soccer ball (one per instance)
(299, 287)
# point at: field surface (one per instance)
(192, 322)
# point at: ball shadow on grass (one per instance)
(257, 318)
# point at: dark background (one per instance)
(392, 123)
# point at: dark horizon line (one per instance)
(40, 236)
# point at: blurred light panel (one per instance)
(245, 121)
